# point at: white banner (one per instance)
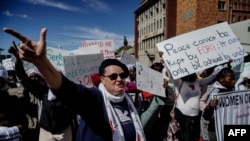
(79, 68)
(233, 108)
(149, 80)
(200, 49)
(106, 47)
(9, 64)
(127, 58)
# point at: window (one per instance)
(157, 10)
(233, 18)
(222, 5)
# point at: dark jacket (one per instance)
(55, 116)
(11, 111)
(89, 104)
(209, 112)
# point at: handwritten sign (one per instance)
(237, 64)
(106, 47)
(79, 68)
(55, 56)
(127, 58)
(233, 108)
(244, 73)
(8, 64)
(93, 50)
(149, 80)
(201, 49)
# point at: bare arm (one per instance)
(35, 52)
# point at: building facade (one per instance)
(158, 20)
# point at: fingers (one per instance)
(15, 46)
(17, 35)
(25, 50)
(43, 36)
(15, 50)
(213, 102)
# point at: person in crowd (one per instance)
(108, 112)
(54, 117)
(157, 66)
(156, 126)
(13, 121)
(96, 79)
(206, 91)
(132, 73)
(187, 111)
(224, 83)
(244, 84)
(12, 79)
(132, 90)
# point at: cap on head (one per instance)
(108, 62)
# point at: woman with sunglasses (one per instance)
(107, 112)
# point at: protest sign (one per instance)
(127, 58)
(79, 68)
(149, 80)
(233, 108)
(106, 47)
(55, 56)
(200, 49)
(93, 50)
(8, 64)
(244, 73)
(237, 66)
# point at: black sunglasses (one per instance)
(114, 76)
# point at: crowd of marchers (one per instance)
(42, 104)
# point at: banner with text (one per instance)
(55, 56)
(149, 80)
(233, 108)
(93, 50)
(244, 73)
(106, 47)
(8, 63)
(79, 68)
(200, 49)
(127, 58)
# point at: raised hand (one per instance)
(35, 52)
(212, 103)
(14, 50)
(30, 50)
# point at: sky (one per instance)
(68, 21)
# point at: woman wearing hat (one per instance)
(107, 112)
